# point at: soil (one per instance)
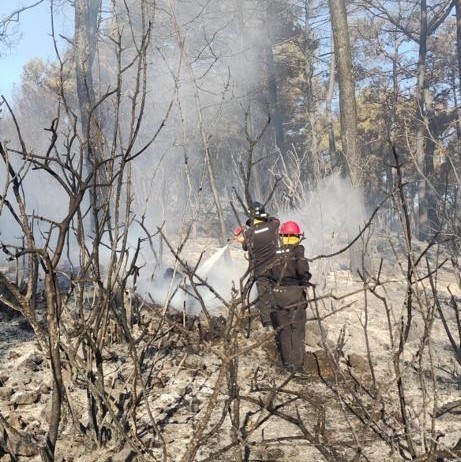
(347, 406)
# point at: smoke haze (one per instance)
(203, 73)
(333, 212)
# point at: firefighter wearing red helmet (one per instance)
(291, 275)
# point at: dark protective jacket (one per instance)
(291, 274)
(261, 242)
(290, 267)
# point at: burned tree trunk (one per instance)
(86, 24)
(359, 259)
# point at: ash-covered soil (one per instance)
(182, 389)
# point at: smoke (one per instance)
(211, 68)
(172, 287)
(205, 61)
(209, 74)
(334, 211)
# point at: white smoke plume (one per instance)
(334, 211)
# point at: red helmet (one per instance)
(290, 228)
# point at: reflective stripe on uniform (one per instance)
(261, 230)
(282, 251)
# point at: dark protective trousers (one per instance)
(264, 302)
(289, 319)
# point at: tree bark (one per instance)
(334, 158)
(86, 19)
(348, 109)
(458, 37)
(458, 49)
(274, 107)
(86, 22)
(421, 120)
(53, 317)
(359, 258)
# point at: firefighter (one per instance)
(260, 239)
(291, 276)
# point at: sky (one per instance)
(32, 38)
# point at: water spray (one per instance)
(205, 268)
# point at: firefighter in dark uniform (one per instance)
(260, 239)
(291, 275)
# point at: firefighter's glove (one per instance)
(238, 235)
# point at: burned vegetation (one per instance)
(144, 381)
(128, 324)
